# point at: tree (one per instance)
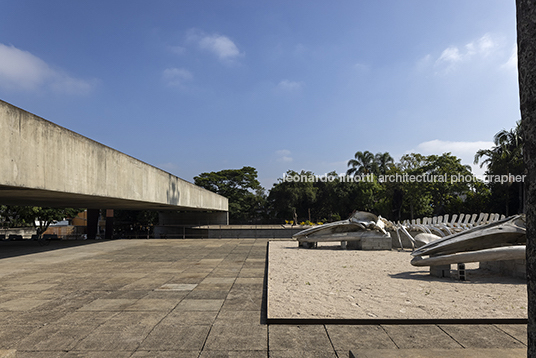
(10, 217)
(369, 163)
(505, 158)
(38, 217)
(290, 198)
(432, 185)
(416, 198)
(363, 163)
(526, 47)
(383, 162)
(455, 181)
(241, 187)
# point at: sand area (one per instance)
(328, 282)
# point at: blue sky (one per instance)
(199, 86)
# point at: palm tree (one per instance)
(383, 162)
(505, 158)
(508, 149)
(363, 163)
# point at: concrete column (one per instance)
(109, 230)
(92, 223)
(440, 271)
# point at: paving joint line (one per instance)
(454, 339)
(508, 334)
(388, 335)
(330, 341)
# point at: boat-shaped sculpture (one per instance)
(515, 252)
(359, 226)
(501, 240)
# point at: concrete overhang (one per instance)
(36, 197)
(43, 164)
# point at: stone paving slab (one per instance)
(481, 336)
(420, 337)
(344, 337)
(238, 337)
(106, 302)
(299, 338)
(22, 304)
(200, 305)
(164, 337)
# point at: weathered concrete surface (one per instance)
(44, 164)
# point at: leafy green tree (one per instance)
(241, 187)
(38, 217)
(10, 217)
(325, 198)
(454, 182)
(290, 198)
(417, 200)
(431, 185)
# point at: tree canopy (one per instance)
(241, 187)
(505, 158)
(38, 217)
(415, 186)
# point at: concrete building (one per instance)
(43, 164)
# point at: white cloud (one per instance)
(283, 156)
(22, 71)
(453, 56)
(176, 76)
(287, 85)
(220, 45)
(464, 150)
(441, 146)
(512, 61)
(450, 55)
(485, 45)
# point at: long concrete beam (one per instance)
(44, 164)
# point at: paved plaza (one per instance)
(189, 298)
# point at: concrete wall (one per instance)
(225, 232)
(38, 154)
(251, 233)
(192, 218)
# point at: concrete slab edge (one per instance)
(337, 321)
(439, 353)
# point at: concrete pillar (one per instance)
(92, 223)
(109, 230)
(440, 271)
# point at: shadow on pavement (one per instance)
(27, 247)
